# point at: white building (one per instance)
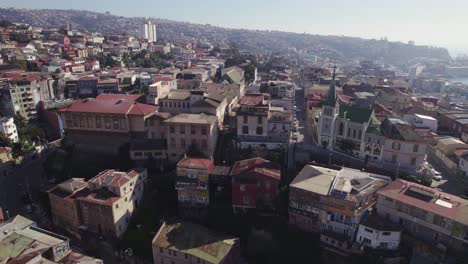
(148, 31)
(8, 127)
(376, 233)
(422, 123)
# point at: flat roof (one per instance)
(314, 179)
(193, 119)
(195, 240)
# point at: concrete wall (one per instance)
(390, 240)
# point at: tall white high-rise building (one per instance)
(148, 31)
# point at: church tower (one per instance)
(326, 126)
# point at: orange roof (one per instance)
(196, 163)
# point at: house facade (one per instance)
(254, 184)
(425, 213)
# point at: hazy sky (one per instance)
(433, 22)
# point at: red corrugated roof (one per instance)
(162, 79)
(196, 163)
(252, 100)
(256, 166)
(111, 104)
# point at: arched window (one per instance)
(340, 129)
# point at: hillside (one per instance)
(334, 47)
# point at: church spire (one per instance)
(331, 98)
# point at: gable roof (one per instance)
(111, 104)
(196, 163)
(355, 114)
(256, 166)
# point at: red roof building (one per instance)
(254, 184)
(426, 213)
(107, 120)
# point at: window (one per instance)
(245, 130)
(161, 250)
(360, 134)
(413, 161)
(259, 120)
(116, 124)
(203, 130)
(340, 130)
(354, 133)
(259, 130)
(69, 123)
(107, 123)
(245, 119)
(98, 122)
(192, 130)
(182, 129)
(245, 199)
(349, 132)
(242, 187)
(182, 143)
(89, 121)
(116, 205)
(383, 244)
(415, 148)
(394, 158)
(171, 129)
(123, 123)
(386, 233)
(173, 142)
(82, 119)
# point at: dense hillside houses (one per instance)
(158, 142)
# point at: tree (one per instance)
(5, 23)
(5, 141)
(28, 132)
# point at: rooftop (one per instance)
(314, 179)
(196, 163)
(114, 178)
(256, 166)
(428, 199)
(397, 128)
(195, 240)
(193, 119)
(253, 100)
(111, 104)
(355, 114)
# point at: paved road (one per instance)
(26, 180)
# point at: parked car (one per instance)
(437, 176)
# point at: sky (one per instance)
(427, 22)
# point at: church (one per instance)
(343, 126)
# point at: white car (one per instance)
(437, 176)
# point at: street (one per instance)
(27, 180)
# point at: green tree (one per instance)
(5, 141)
(28, 132)
(5, 23)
